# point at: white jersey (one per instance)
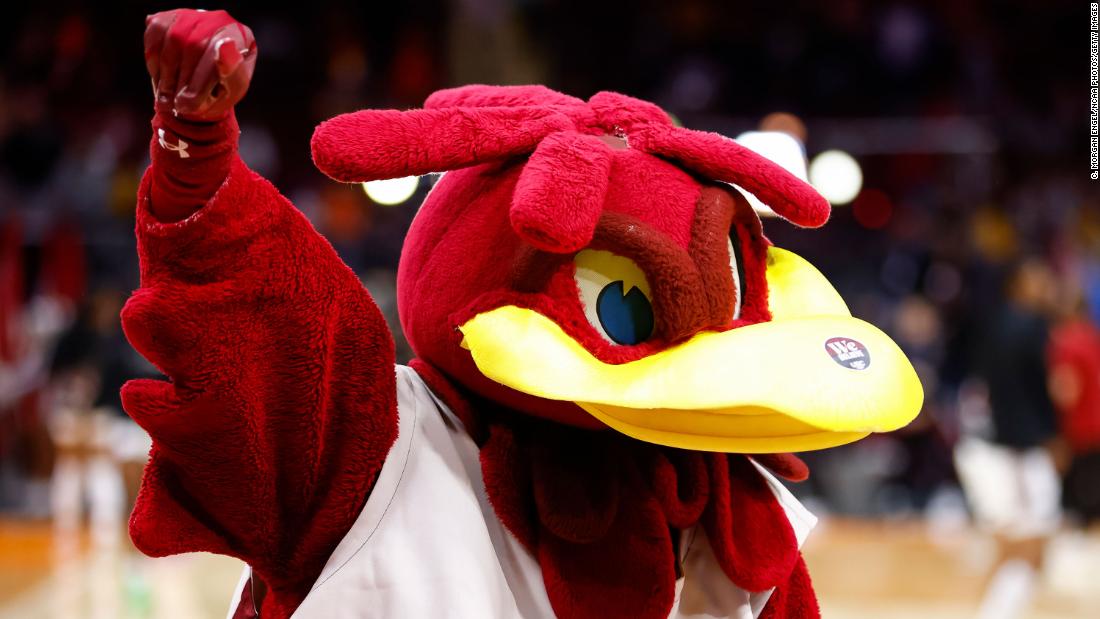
(428, 544)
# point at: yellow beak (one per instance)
(812, 377)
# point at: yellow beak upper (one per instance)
(811, 378)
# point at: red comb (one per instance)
(559, 196)
(465, 126)
(377, 144)
(480, 95)
(722, 159)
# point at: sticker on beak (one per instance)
(848, 352)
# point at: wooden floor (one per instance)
(861, 569)
(892, 570)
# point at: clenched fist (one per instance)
(201, 62)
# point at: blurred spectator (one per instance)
(100, 451)
(1075, 388)
(927, 468)
(1012, 359)
(1011, 481)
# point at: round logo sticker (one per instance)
(848, 352)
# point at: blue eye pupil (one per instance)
(626, 318)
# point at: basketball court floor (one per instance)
(862, 569)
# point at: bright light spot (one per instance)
(391, 191)
(836, 175)
(781, 148)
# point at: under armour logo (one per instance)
(180, 148)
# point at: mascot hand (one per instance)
(201, 62)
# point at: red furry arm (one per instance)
(795, 599)
(281, 405)
(190, 161)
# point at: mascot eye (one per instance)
(615, 296)
(627, 318)
(737, 271)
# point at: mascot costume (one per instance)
(603, 337)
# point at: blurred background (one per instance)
(951, 137)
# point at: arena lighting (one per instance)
(780, 147)
(393, 191)
(836, 175)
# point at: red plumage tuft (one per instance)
(466, 126)
(480, 95)
(722, 159)
(377, 144)
(560, 194)
(620, 113)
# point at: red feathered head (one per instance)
(588, 262)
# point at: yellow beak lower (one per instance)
(811, 378)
